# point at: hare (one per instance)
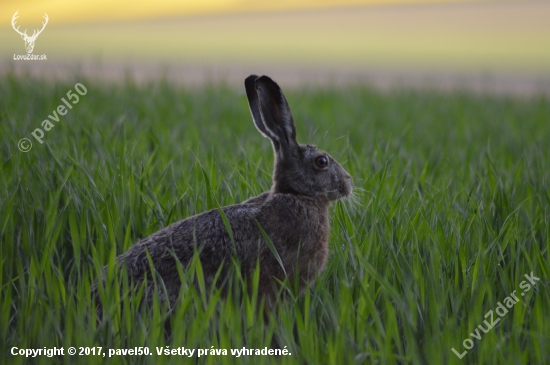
(294, 214)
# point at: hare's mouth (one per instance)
(345, 189)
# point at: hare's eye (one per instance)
(321, 161)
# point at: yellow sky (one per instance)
(71, 11)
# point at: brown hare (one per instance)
(294, 214)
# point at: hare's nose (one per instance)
(349, 179)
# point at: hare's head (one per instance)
(299, 169)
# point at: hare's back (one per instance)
(204, 233)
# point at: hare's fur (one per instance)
(294, 214)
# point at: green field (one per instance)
(453, 210)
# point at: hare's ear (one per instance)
(254, 104)
(276, 115)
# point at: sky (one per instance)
(79, 11)
(364, 36)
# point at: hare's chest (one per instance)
(314, 249)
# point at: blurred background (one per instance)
(489, 46)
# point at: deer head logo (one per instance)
(29, 40)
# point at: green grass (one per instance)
(454, 208)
